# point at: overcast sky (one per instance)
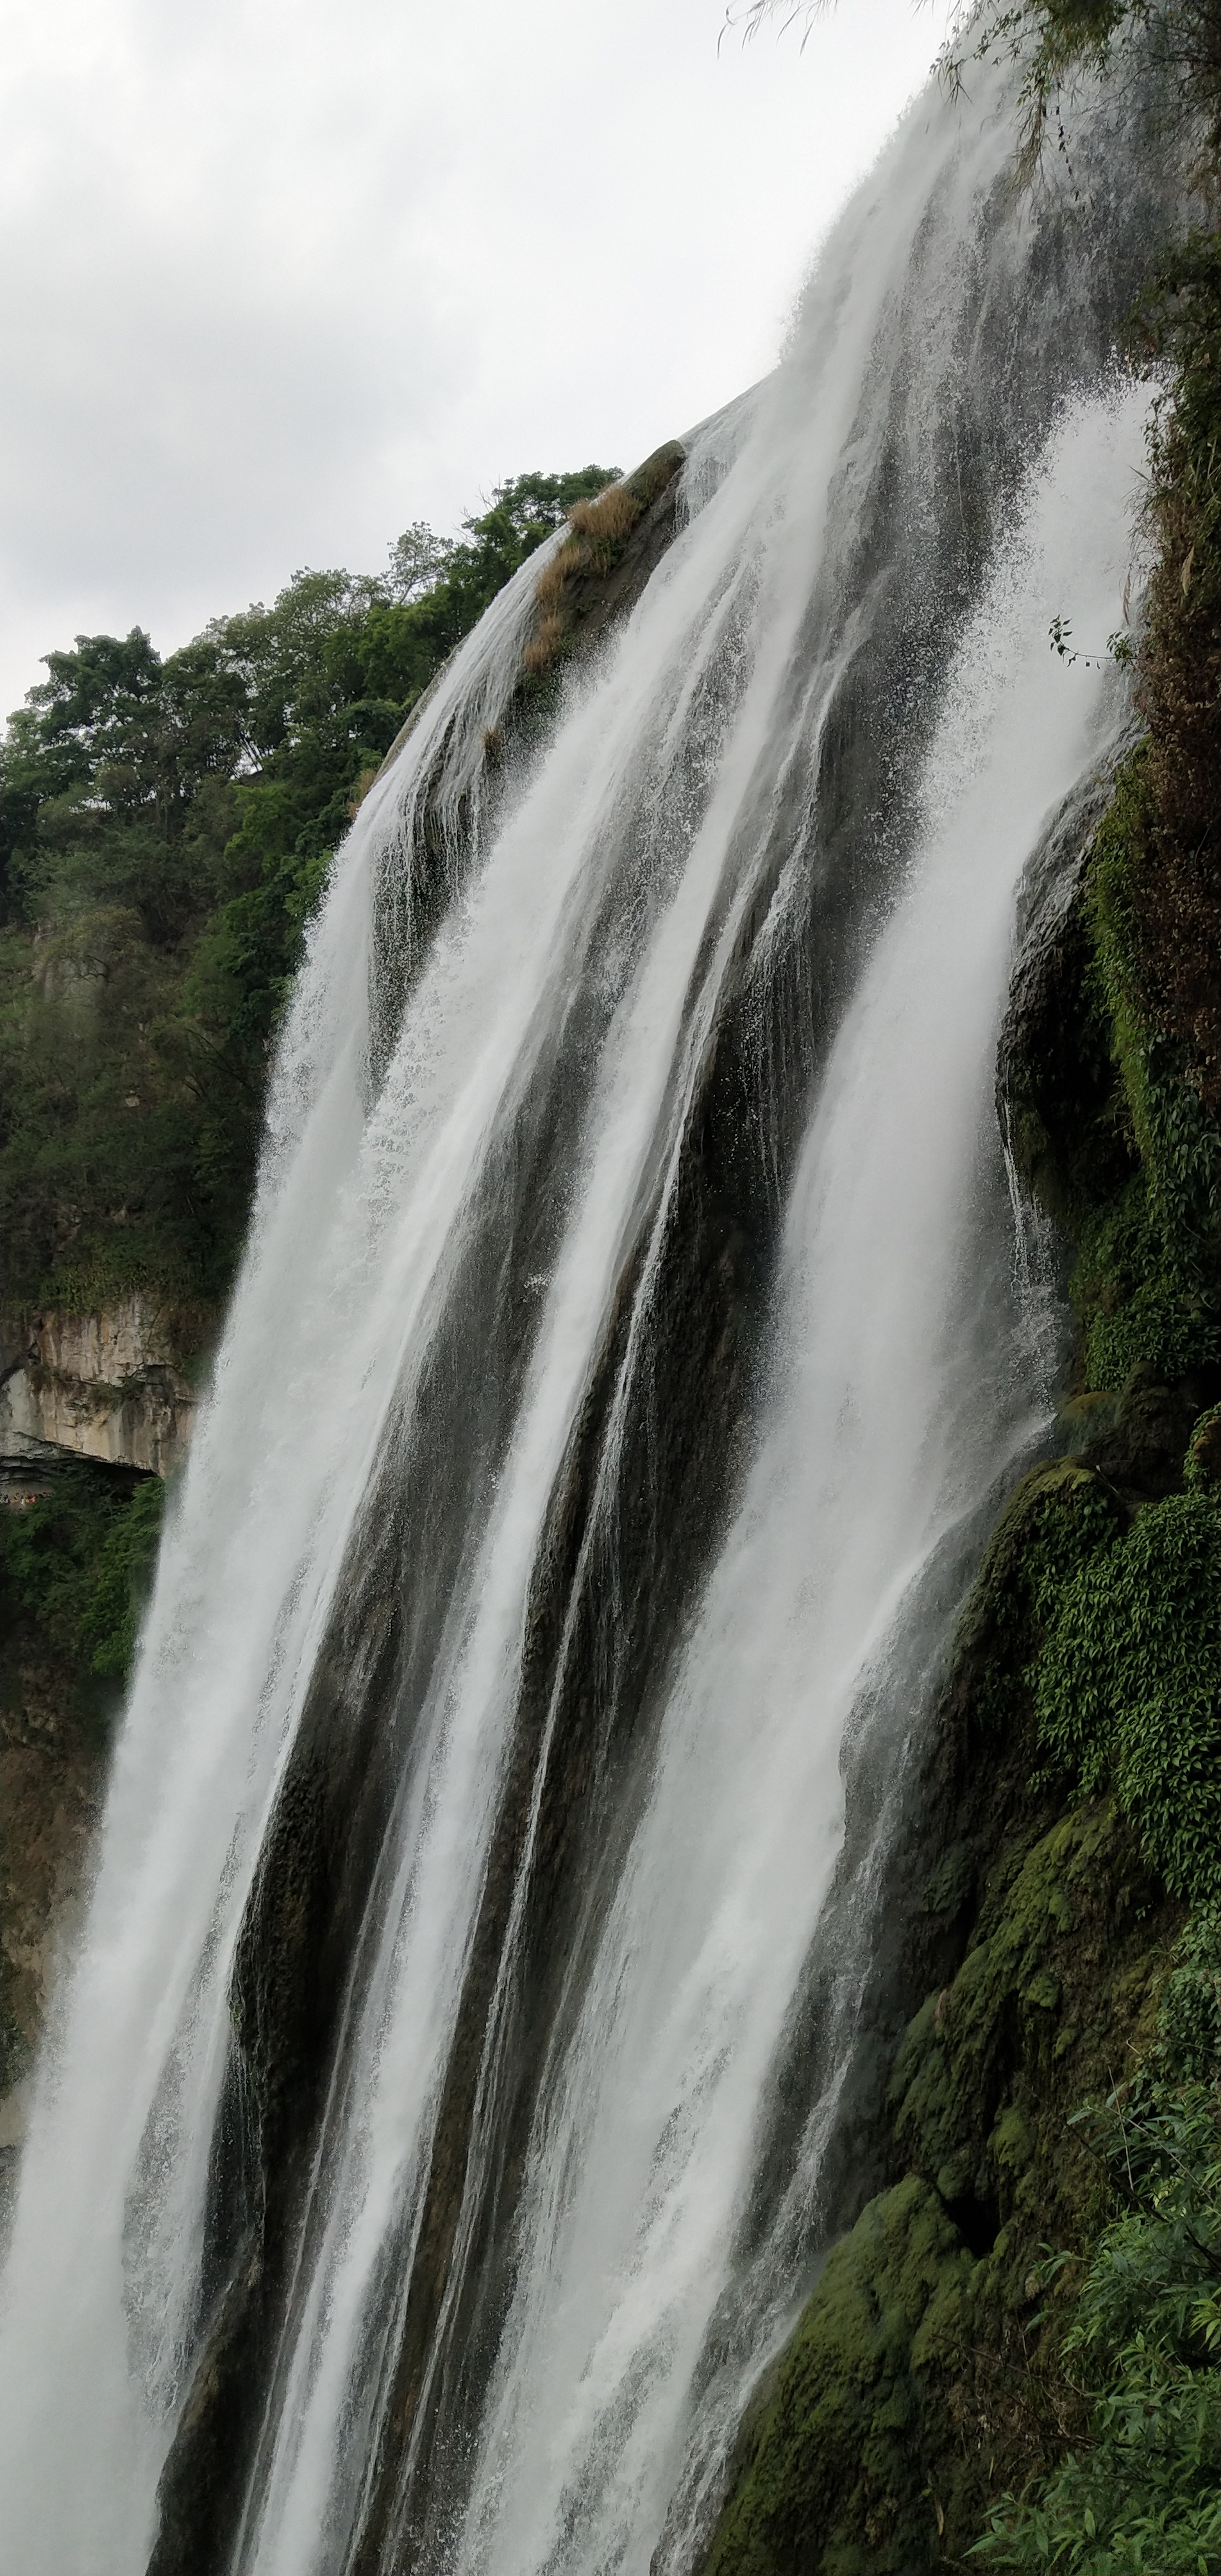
(278, 277)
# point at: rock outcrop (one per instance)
(109, 1386)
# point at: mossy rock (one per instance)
(1102, 1110)
(835, 2482)
(924, 2377)
(1058, 1986)
(1054, 1520)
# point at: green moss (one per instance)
(835, 2483)
(1067, 1123)
(1189, 2016)
(1107, 1121)
(925, 2374)
(1127, 1684)
(1142, 2333)
(1145, 1282)
(934, 2366)
(1178, 1143)
(1132, 1303)
(1054, 1522)
(1101, 1629)
(977, 2103)
(1112, 1634)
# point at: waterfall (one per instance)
(628, 1326)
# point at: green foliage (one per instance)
(78, 1562)
(166, 827)
(1052, 1525)
(1189, 2018)
(124, 1574)
(1160, 1323)
(925, 2372)
(1055, 41)
(833, 2481)
(1179, 1144)
(1202, 1465)
(1134, 1304)
(1109, 1124)
(1127, 1684)
(1144, 2500)
(1145, 2329)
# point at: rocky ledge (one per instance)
(108, 1386)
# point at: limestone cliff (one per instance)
(109, 1386)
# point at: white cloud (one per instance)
(278, 276)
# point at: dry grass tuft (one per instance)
(360, 791)
(597, 530)
(545, 642)
(556, 574)
(606, 521)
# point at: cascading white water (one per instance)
(895, 1403)
(590, 936)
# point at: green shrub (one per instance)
(1128, 1684)
(125, 1566)
(166, 826)
(77, 1564)
(1161, 1323)
(1146, 2324)
(1189, 2021)
(1178, 1141)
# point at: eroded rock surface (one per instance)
(109, 1386)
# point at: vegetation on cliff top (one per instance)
(165, 829)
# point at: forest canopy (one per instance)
(166, 825)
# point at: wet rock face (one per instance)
(108, 1386)
(1055, 1079)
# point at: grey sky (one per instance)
(279, 276)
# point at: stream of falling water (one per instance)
(577, 974)
(897, 1398)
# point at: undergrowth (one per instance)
(1140, 2496)
(1127, 1684)
(77, 1564)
